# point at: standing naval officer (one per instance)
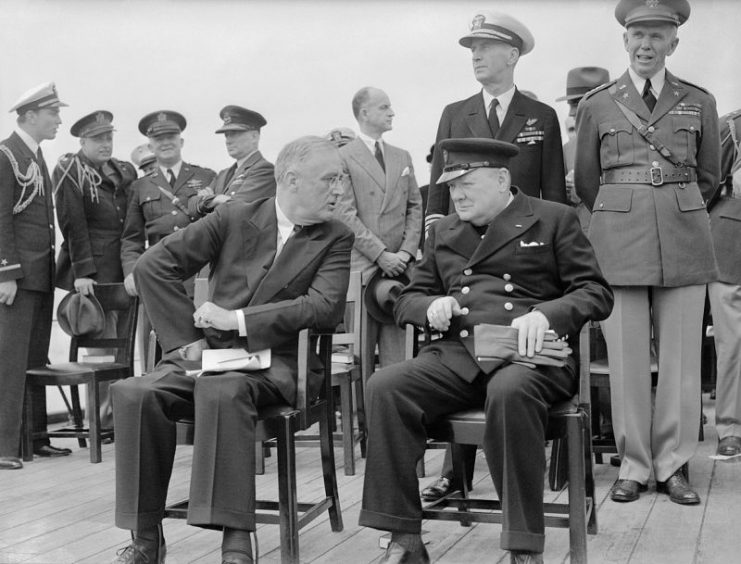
(501, 111)
(26, 267)
(647, 160)
(91, 190)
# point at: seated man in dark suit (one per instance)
(504, 258)
(277, 266)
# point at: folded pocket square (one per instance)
(500, 342)
(405, 172)
(531, 244)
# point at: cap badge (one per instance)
(445, 155)
(227, 119)
(99, 117)
(478, 22)
(54, 89)
(531, 121)
(162, 116)
(652, 3)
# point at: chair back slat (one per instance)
(350, 332)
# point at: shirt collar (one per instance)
(657, 81)
(28, 140)
(174, 168)
(243, 160)
(285, 226)
(370, 142)
(505, 99)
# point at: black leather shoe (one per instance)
(437, 489)
(679, 489)
(10, 463)
(616, 461)
(523, 557)
(236, 558)
(139, 552)
(729, 446)
(49, 451)
(397, 554)
(626, 490)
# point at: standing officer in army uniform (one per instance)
(251, 177)
(26, 267)
(91, 190)
(501, 111)
(647, 160)
(143, 158)
(163, 201)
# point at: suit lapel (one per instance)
(475, 116)
(671, 94)
(253, 158)
(360, 153)
(393, 172)
(186, 173)
(625, 92)
(510, 224)
(514, 120)
(462, 238)
(259, 239)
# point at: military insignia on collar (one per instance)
(531, 121)
(478, 21)
(621, 87)
(652, 3)
(162, 116)
(676, 93)
(626, 96)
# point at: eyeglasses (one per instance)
(337, 179)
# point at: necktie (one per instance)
(493, 118)
(379, 156)
(648, 96)
(230, 175)
(171, 177)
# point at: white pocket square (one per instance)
(406, 171)
(531, 244)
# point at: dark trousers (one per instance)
(25, 329)
(403, 398)
(222, 485)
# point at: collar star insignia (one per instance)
(4, 262)
(626, 96)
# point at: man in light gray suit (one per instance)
(382, 205)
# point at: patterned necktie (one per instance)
(171, 178)
(648, 96)
(493, 118)
(379, 156)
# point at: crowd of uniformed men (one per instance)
(632, 222)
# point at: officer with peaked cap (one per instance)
(163, 201)
(497, 41)
(500, 111)
(91, 190)
(251, 177)
(143, 158)
(503, 258)
(26, 267)
(647, 160)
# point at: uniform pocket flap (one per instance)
(689, 199)
(728, 208)
(613, 128)
(149, 196)
(615, 199)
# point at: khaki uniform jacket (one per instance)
(533, 255)
(152, 216)
(725, 210)
(27, 237)
(383, 210)
(91, 221)
(648, 235)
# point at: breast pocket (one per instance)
(151, 205)
(686, 129)
(616, 144)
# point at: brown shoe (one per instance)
(678, 489)
(524, 557)
(397, 554)
(626, 490)
(437, 489)
(729, 446)
(139, 552)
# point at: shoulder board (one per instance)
(66, 158)
(688, 83)
(600, 88)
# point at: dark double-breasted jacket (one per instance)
(252, 181)
(531, 125)
(91, 209)
(305, 286)
(649, 232)
(533, 255)
(151, 213)
(26, 219)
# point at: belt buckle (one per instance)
(657, 176)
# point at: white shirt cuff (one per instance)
(241, 323)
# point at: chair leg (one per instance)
(348, 439)
(287, 497)
(360, 410)
(329, 470)
(259, 458)
(576, 429)
(93, 416)
(77, 419)
(460, 482)
(558, 472)
(27, 427)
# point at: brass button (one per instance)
(508, 287)
(464, 311)
(175, 228)
(652, 147)
(508, 306)
(601, 204)
(464, 334)
(506, 276)
(465, 290)
(468, 272)
(655, 163)
(174, 212)
(651, 128)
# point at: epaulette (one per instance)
(601, 87)
(127, 169)
(65, 159)
(688, 83)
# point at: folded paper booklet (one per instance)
(224, 360)
(500, 343)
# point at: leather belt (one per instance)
(655, 175)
